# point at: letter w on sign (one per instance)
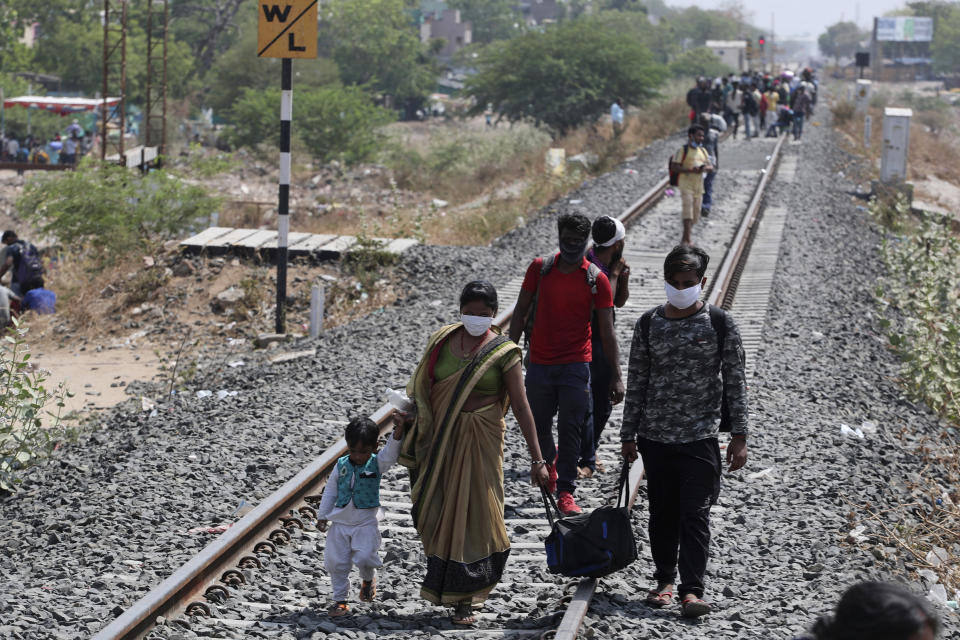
(287, 29)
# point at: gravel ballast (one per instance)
(110, 516)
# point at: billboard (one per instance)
(905, 29)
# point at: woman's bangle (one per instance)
(538, 462)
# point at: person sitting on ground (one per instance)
(468, 376)
(351, 503)
(24, 260)
(686, 366)
(609, 238)
(878, 611)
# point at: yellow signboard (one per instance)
(287, 29)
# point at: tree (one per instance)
(698, 26)
(489, 19)
(841, 40)
(334, 123)
(206, 26)
(376, 47)
(699, 62)
(945, 49)
(564, 76)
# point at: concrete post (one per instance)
(316, 310)
(867, 130)
(862, 97)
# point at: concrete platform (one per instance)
(320, 246)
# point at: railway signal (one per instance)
(761, 43)
(287, 30)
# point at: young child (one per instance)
(351, 503)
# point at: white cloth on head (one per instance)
(618, 236)
(348, 545)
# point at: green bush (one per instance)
(23, 398)
(111, 209)
(334, 123)
(923, 268)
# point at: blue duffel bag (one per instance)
(40, 300)
(590, 545)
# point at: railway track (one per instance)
(283, 524)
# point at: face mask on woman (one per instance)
(476, 325)
(682, 298)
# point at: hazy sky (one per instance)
(809, 18)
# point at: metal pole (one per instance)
(104, 115)
(3, 120)
(283, 210)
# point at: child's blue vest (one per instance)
(365, 491)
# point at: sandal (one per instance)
(338, 609)
(658, 599)
(694, 607)
(368, 589)
(463, 614)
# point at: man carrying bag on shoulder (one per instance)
(686, 382)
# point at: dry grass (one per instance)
(491, 180)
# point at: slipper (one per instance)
(584, 473)
(694, 608)
(463, 615)
(658, 599)
(338, 609)
(601, 468)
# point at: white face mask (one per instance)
(682, 298)
(476, 325)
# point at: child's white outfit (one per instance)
(351, 503)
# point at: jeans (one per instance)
(797, 125)
(707, 202)
(747, 121)
(683, 482)
(602, 407)
(561, 390)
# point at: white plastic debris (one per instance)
(436, 303)
(856, 536)
(868, 427)
(153, 414)
(146, 403)
(760, 474)
(438, 203)
(204, 393)
(853, 433)
(221, 394)
(399, 399)
(576, 201)
(236, 363)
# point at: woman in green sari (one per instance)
(468, 376)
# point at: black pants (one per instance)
(683, 482)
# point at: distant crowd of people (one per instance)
(63, 148)
(776, 105)
(772, 105)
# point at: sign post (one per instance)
(286, 30)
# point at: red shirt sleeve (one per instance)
(603, 298)
(532, 277)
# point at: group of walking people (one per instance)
(686, 362)
(60, 149)
(769, 105)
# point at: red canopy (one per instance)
(62, 106)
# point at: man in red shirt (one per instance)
(558, 376)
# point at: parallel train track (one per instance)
(216, 573)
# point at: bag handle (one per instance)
(548, 502)
(622, 483)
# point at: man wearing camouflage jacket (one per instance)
(683, 367)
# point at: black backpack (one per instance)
(719, 324)
(592, 272)
(749, 103)
(675, 175)
(590, 545)
(30, 266)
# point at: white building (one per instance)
(733, 53)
